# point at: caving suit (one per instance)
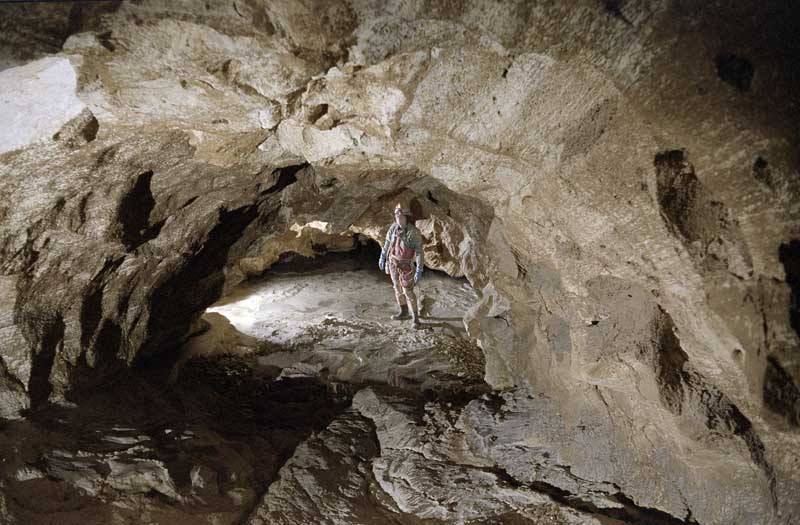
(402, 251)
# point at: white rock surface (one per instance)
(36, 100)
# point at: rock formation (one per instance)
(618, 181)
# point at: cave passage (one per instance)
(194, 328)
(329, 318)
(273, 362)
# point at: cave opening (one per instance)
(327, 318)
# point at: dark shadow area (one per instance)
(39, 386)
(196, 285)
(780, 393)
(221, 416)
(789, 255)
(364, 255)
(614, 8)
(134, 211)
(734, 70)
(286, 177)
(762, 173)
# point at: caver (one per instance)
(403, 250)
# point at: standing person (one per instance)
(403, 248)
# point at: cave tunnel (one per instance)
(335, 310)
(194, 327)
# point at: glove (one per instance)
(418, 275)
(382, 262)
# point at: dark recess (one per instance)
(105, 41)
(365, 254)
(677, 188)
(671, 360)
(134, 214)
(613, 8)
(31, 29)
(780, 393)
(628, 511)
(188, 202)
(199, 283)
(685, 391)
(734, 70)
(691, 213)
(39, 386)
(286, 176)
(89, 131)
(92, 307)
(789, 255)
(762, 173)
(107, 344)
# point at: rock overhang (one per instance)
(546, 169)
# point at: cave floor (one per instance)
(282, 306)
(332, 321)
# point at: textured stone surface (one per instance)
(617, 180)
(38, 99)
(347, 474)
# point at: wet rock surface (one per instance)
(616, 181)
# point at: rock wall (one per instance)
(618, 179)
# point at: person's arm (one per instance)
(386, 244)
(420, 256)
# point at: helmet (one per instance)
(404, 211)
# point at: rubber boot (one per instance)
(403, 313)
(415, 318)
